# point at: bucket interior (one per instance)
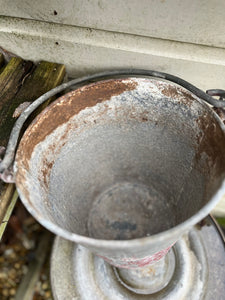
(121, 159)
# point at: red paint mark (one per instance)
(133, 262)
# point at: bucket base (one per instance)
(149, 279)
(128, 210)
(196, 271)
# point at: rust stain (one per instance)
(46, 171)
(169, 91)
(54, 149)
(65, 107)
(150, 271)
(211, 141)
(177, 93)
(144, 119)
(44, 174)
(220, 112)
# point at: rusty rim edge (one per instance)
(7, 175)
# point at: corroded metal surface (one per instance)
(198, 274)
(71, 104)
(135, 135)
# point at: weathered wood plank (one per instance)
(11, 77)
(21, 86)
(45, 77)
(5, 197)
(10, 82)
(12, 202)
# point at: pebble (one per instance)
(17, 265)
(43, 277)
(5, 292)
(12, 292)
(7, 284)
(12, 273)
(42, 293)
(48, 294)
(9, 252)
(28, 244)
(11, 282)
(24, 269)
(44, 286)
(3, 275)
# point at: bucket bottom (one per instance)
(129, 210)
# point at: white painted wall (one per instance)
(192, 21)
(84, 50)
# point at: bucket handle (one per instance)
(219, 110)
(6, 165)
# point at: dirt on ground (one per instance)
(17, 251)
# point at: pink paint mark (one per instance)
(132, 262)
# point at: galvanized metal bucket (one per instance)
(123, 166)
